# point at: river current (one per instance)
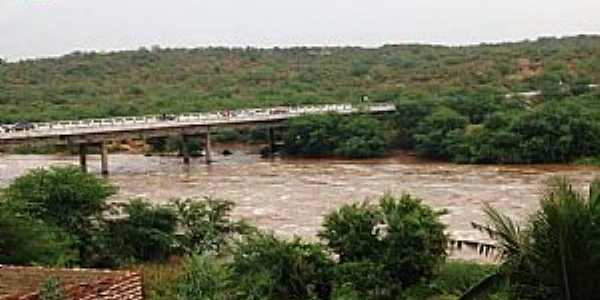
(290, 196)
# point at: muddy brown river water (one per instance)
(290, 197)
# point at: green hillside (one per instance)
(84, 85)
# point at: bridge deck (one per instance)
(64, 129)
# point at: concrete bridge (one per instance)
(99, 132)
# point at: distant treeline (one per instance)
(157, 80)
(471, 129)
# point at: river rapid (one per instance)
(291, 196)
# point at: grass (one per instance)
(454, 278)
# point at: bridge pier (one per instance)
(104, 158)
(83, 157)
(271, 141)
(185, 151)
(207, 147)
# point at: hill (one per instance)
(145, 81)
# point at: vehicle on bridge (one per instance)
(167, 117)
(20, 126)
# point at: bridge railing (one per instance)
(207, 118)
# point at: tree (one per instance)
(147, 233)
(312, 135)
(554, 256)
(25, 241)
(432, 134)
(394, 244)
(360, 137)
(204, 278)
(206, 225)
(352, 136)
(61, 197)
(264, 267)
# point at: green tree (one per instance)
(394, 244)
(206, 225)
(61, 197)
(360, 137)
(319, 135)
(24, 241)
(432, 134)
(264, 267)
(204, 278)
(312, 135)
(147, 233)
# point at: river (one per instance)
(291, 196)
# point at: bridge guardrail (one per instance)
(218, 117)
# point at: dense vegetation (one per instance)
(493, 130)
(325, 135)
(452, 101)
(84, 85)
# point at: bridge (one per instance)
(99, 132)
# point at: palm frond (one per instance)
(504, 230)
(483, 287)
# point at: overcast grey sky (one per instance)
(36, 28)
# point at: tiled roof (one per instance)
(22, 283)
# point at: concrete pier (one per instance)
(104, 158)
(83, 157)
(185, 151)
(207, 147)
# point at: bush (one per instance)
(456, 277)
(24, 241)
(432, 135)
(203, 279)
(52, 289)
(264, 267)
(147, 233)
(401, 237)
(161, 280)
(63, 198)
(206, 225)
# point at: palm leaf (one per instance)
(483, 287)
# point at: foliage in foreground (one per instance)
(68, 202)
(555, 254)
(52, 289)
(59, 217)
(385, 248)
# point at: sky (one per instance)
(42, 28)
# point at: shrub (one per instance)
(161, 280)
(24, 241)
(64, 198)
(203, 279)
(264, 267)
(400, 236)
(52, 289)
(147, 233)
(206, 225)
(431, 138)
